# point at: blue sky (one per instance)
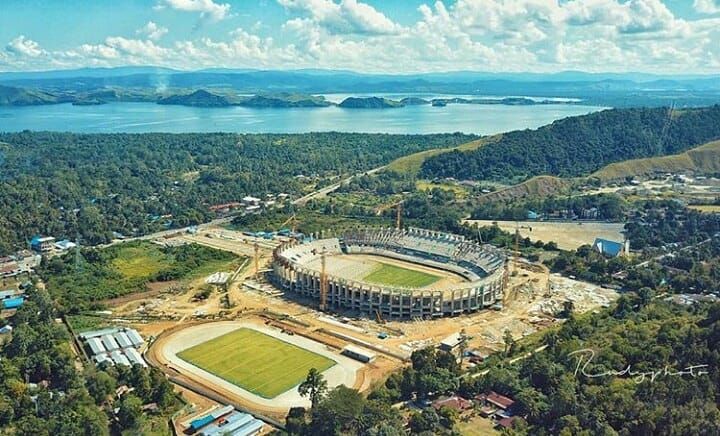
(397, 36)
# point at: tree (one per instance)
(100, 385)
(425, 421)
(314, 387)
(130, 411)
(296, 421)
(509, 341)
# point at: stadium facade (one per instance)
(482, 267)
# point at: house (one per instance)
(532, 215)
(507, 423)
(455, 402)
(611, 248)
(250, 201)
(42, 244)
(9, 269)
(493, 404)
(65, 245)
(451, 342)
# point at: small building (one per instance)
(65, 245)
(251, 201)
(358, 353)
(611, 248)
(134, 357)
(532, 215)
(13, 303)
(254, 208)
(497, 401)
(102, 358)
(451, 342)
(9, 293)
(122, 339)
(109, 342)
(134, 337)
(119, 358)
(507, 423)
(10, 269)
(96, 346)
(228, 424)
(42, 244)
(455, 402)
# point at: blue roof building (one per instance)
(611, 248)
(13, 303)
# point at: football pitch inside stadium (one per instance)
(256, 362)
(392, 275)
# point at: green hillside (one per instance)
(703, 159)
(578, 146)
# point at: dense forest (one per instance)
(558, 395)
(90, 185)
(580, 145)
(43, 393)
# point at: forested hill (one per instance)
(580, 145)
(93, 184)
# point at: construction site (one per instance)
(513, 295)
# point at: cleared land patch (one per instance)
(392, 275)
(139, 261)
(255, 361)
(567, 235)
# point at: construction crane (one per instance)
(323, 282)
(292, 221)
(256, 247)
(398, 217)
(516, 247)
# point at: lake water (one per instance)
(151, 117)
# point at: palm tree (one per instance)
(313, 387)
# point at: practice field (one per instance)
(392, 275)
(255, 361)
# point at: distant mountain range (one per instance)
(607, 89)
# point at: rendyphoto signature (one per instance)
(586, 356)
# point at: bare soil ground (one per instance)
(568, 235)
(532, 297)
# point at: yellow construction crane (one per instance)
(292, 221)
(398, 217)
(323, 282)
(256, 246)
(516, 248)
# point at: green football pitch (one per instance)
(391, 275)
(255, 361)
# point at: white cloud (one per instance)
(208, 9)
(152, 30)
(481, 35)
(348, 16)
(707, 6)
(22, 46)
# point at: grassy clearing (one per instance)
(705, 208)
(255, 361)
(139, 261)
(477, 426)
(425, 185)
(392, 275)
(411, 164)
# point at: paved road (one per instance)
(322, 192)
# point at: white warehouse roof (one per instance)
(122, 340)
(134, 357)
(119, 358)
(109, 342)
(96, 346)
(134, 337)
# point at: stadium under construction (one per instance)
(334, 271)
